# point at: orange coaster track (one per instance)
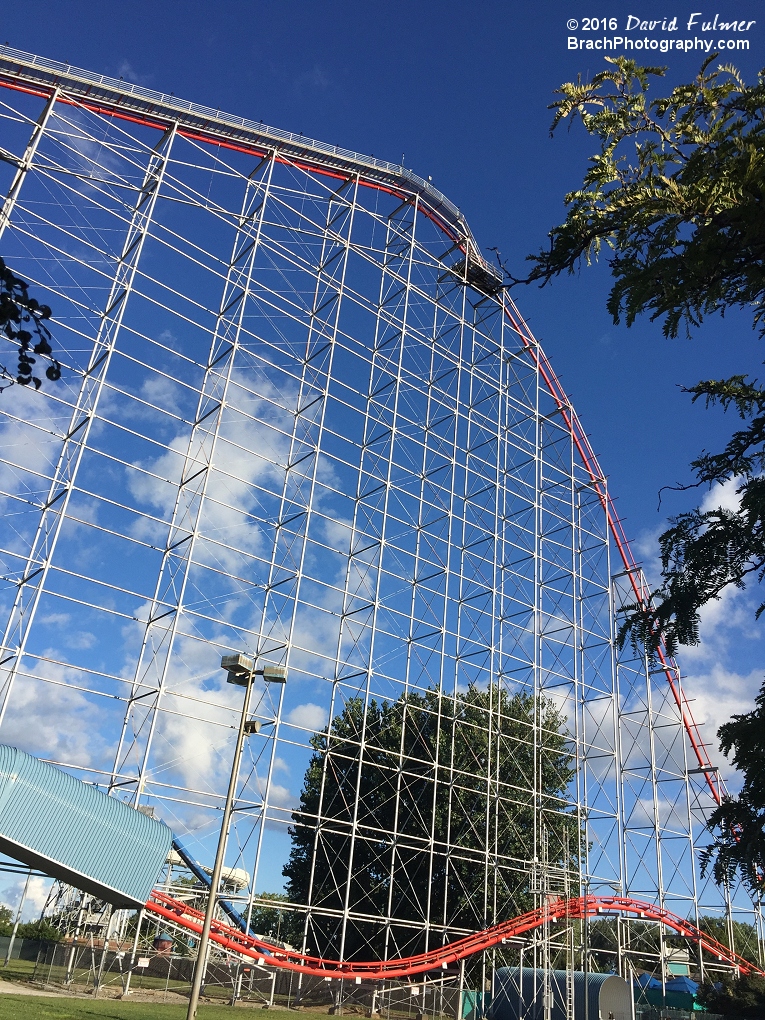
(235, 941)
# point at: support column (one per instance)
(134, 748)
(24, 165)
(31, 585)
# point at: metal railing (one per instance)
(91, 87)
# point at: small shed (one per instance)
(74, 832)
(518, 995)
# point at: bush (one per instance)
(743, 997)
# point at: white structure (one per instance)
(299, 412)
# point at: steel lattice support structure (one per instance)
(301, 418)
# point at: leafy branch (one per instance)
(676, 194)
(22, 318)
(703, 552)
(740, 844)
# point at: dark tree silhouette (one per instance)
(676, 195)
(456, 773)
(22, 319)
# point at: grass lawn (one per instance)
(38, 1007)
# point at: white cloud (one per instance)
(308, 716)
(81, 639)
(716, 695)
(280, 796)
(126, 70)
(37, 894)
(56, 721)
(252, 446)
(195, 749)
(725, 496)
(54, 619)
(29, 447)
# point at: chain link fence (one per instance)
(89, 967)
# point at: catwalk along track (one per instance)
(560, 911)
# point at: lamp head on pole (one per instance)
(273, 674)
(241, 667)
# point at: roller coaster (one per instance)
(233, 940)
(384, 486)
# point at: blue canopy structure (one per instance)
(682, 984)
(647, 981)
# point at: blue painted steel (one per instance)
(72, 831)
(203, 877)
(198, 872)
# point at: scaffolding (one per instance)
(301, 418)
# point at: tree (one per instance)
(740, 821)
(744, 936)
(41, 929)
(278, 921)
(742, 997)
(677, 194)
(20, 313)
(645, 943)
(455, 773)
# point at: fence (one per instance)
(164, 977)
(668, 1013)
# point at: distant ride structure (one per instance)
(301, 417)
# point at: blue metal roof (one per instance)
(72, 831)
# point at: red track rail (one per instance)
(314, 164)
(641, 593)
(263, 952)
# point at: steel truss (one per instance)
(301, 418)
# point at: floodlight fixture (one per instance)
(273, 674)
(241, 668)
(241, 671)
(238, 665)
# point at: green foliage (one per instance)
(20, 313)
(743, 997)
(677, 195)
(40, 929)
(739, 845)
(645, 943)
(705, 551)
(454, 771)
(277, 922)
(744, 936)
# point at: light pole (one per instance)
(241, 671)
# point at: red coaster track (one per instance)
(263, 952)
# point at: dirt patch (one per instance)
(155, 995)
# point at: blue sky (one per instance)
(459, 91)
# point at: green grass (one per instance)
(18, 970)
(38, 1007)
